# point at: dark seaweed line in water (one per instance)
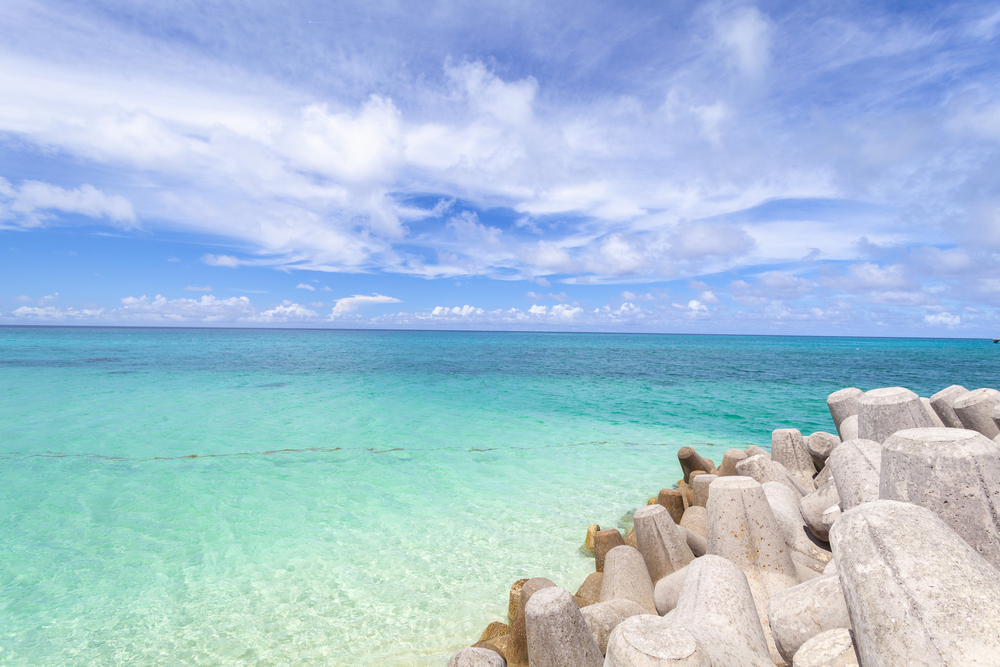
(104, 457)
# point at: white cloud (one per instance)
(351, 303)
(197, 288)
(220, 260)
(746, 33)
(23, 299)
(206, 309)
(943, 319)
(305, 286)
(33, 204)
(287, 312)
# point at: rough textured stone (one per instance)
(687, 493)
(514, 599)
(691, 460)
(667, 590)
(494, 629)
(626, 577)
(849, 429)
(557, 633)
(630, 538)
(805, 567)
(695, 542)
(673, 500)
(717, 607)
(801, 612)
(975, 409)
(477, 657)
(833, 648)
(917, 594)
(590, 590)
(935, 419)
(856, 467)
(763, 470)
(729, 461)
(830, 516)
(651, 641)
(882, 412)
(661, 542)
(588, 542)
(517, 651)
(700, 486)
(823, 476)
(831, 567)
(743, 529)
(843, 404)
(602, 618)
(789, 449)
(943, 401)
(954, 473)
(785, 504)
(996, 417)
(605, 541)
(695, 519)
(815, 504)
(819, 445)
(754, 450)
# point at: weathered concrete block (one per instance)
(935, 419)
(823, 476)
(996, 417)
(605, 541)
(667, 590)
(801, 612)
(590, 590)
(830, 516)
(729, 461)
(626, 576)
(651, 641)
(789, 449)
(754, 450)
(690, 460)
(975, 409)
(785, 504)
(514, 599)
(743, 529)
(477, 657)
(716, 605)
(884, 411)
(917, 594)
(673, 500)
(700, 486)
(819, 445)
(695, 519)
(954, 473)
(518, 646)
(695, 542)
(856, 467)
(588, 541)
(763, 470)
(493, 630)
(661, 542)
(833, 648)
(602, 618)
(557, 634)
(843, 404)
(849, 429)
(943, 401)
(806, 568)
(815, 504)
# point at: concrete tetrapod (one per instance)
(833, 648)
(819, 445)
(801, 612)
(975, 409)
(849, 429)
(602, 618)
(651, 641)
(626, 576)
(954, 473)
(557, 634)
(882, 412)
(786, 508)
(823, 476)
(935, 419)
(673, 500)
(743, 529)
(661, 542)
(690, 461)
(754, 450)
(916, 593)
(590, 590)
(700, 486)
(695, 519)
(789, 449)
(477, 657)
(996, 417)
(729, 461)
(763, 469)
(843, 404)
(857, 467)
(517, 653)
(815, 504)
(943, 401)
(605, 541)
(667, 590)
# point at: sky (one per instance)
(815, 168)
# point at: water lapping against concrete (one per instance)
(363, 498)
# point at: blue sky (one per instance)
(787, 168)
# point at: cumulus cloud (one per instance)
(943, 319)
(34, 203)
(352, 303)
(305, 286)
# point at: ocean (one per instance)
(276, 497)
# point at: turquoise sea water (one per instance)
(247, 497)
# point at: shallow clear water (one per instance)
(360, 498)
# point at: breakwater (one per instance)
(877, 545)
